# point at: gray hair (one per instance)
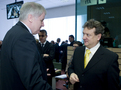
(33, 8)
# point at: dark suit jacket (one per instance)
(64, 55)
(21, 65)
(71, 44)
(101, 73)
(57, 52)
(48, 49)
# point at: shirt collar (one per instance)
(44, 42)
(27, 27)
(94, 49)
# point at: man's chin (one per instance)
(85, 44)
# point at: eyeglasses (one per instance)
(41, 35)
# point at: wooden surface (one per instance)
(118, 51)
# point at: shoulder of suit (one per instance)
(80, 48)
(107, 51)
(48, 43)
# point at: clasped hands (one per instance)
(73, 78)
(45, 55)
(48, 74)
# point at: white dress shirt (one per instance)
(93, 50)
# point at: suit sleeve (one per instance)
(26, 62)
(113, 74)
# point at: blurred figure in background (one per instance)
(57, 50)
(64, 55)
(47, 51)
(75, 45)
(71, 39)
(53, 42)
(68, 85)
(0, 44)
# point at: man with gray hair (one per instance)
(22, 68)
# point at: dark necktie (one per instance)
(42, 47)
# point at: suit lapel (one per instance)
(46, 46)
(79, 57)
(22, 25)
(95, 59)
(82, 60)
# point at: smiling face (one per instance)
(89, 37)
(37, 23)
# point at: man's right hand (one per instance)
(74, 78)
(45, 55)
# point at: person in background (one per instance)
(71, 39)
(101, 72)
(61, 50)
(68, 85)
(37, 41)
(66, 41)
(47, 51)
(64, 56)
(0, 44)
(57, 50)
(53, 42)
(117, 41)
(75, 45)
(106, 39)
(21, 66)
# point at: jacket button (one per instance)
(80, 86)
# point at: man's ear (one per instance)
(99, 36)
(46, 36)
(30, 18)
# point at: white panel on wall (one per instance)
(61, 11)
(5, 24)
(60, 27)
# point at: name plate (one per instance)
(88, 2)
(101, 1)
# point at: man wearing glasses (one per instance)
(47, 51)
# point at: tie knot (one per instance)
(88, 51)
(42, 45)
